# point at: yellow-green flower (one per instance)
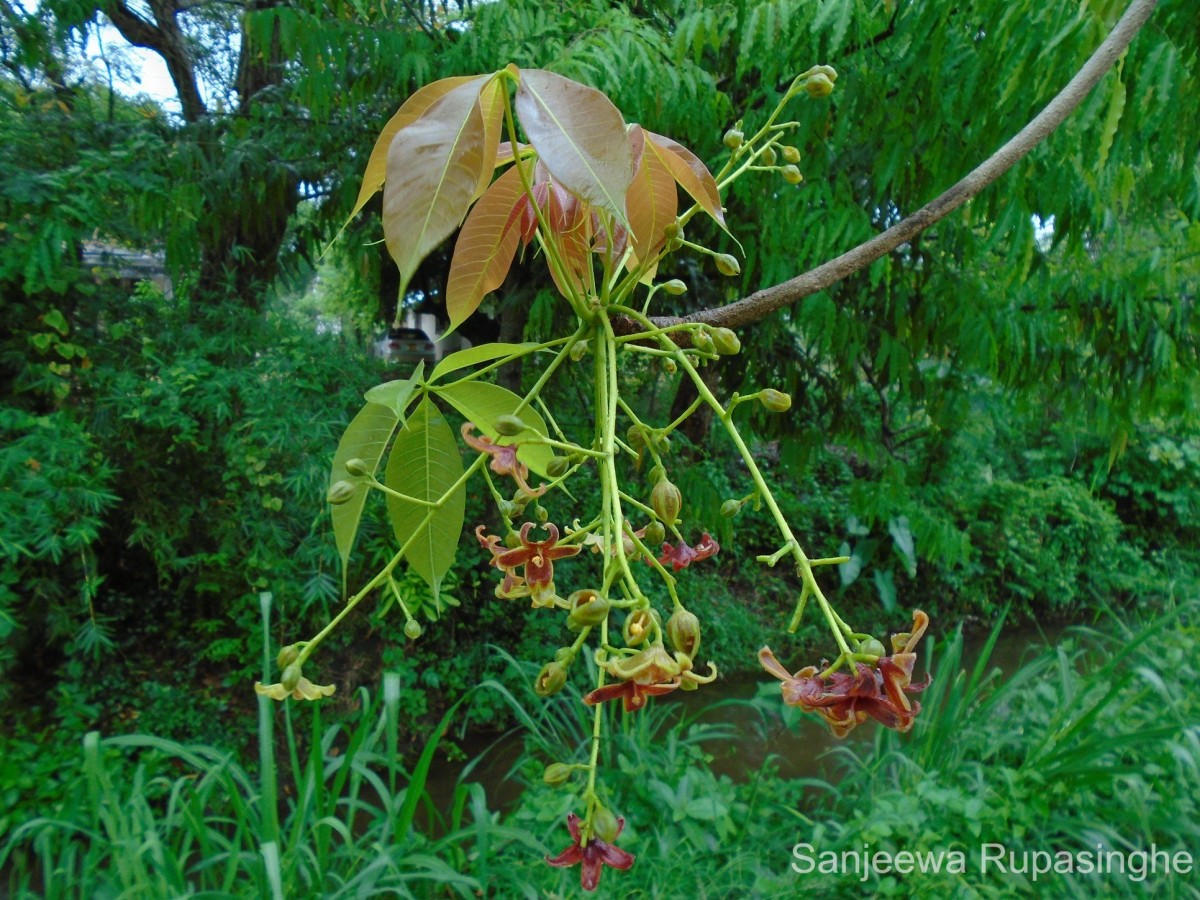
(304, 690)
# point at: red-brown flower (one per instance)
(649, 673)
(594, 855)
(682, 556)
(504, 458)
(845, 700)
(537, 558)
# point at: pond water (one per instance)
(753, 733)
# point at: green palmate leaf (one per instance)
(579, 136)
(460, 359)
(485, 248)
(692, 174)
(395, 395)
(483, 403)
(413, 108)
(434, 166)
(366, 438)
(652, 203)
(425, 464)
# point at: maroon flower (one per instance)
(537, 557)
(846, 700)
(682, 556)
(593, 855)
(504, 458)
(648, 673)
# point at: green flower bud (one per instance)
(510, 510)
(291, 677)
(828, 71)
(731, 508)
(635, 437)
(791, 154)
(556, 774)
(727, 265)
(655, 533)
(341, 491)
(542, 515)
(564, 655)
(733, 138)
(588, 609)
(287, 655)
(509, 426)
(702, 341)
(669, 365)
(674, 287)
(662, 443)
(768, 156)
(357, 466)
(579, 351)
(792, 175)
(666, 501)
(412, 629)
(671, 230)
(872, 647)
(558, 467)
(683, 628)
(637, 627)
(819, 85)
(550, 680)
(726, 341)
(775, 401)
(604, 824)
(512, 540)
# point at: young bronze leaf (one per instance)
(433, 168)
(652, 203)
(485, 248)
(491, 107)
(365, 438)
(692, 174)
(412, 109)
(483, 403)
(425, 463)
(580, 137)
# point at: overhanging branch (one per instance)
(762, 303)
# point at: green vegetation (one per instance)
(996, 421)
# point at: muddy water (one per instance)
(754, 731)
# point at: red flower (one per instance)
(504, 458)
(538, 559)
(683, 556)
(845, 700)
(648, 673)
(593, 855)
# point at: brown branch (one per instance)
(166, 38)
(762, 303)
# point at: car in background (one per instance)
(405, 347)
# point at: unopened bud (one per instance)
(412, 629)
(509, 510)
(768, 156)
(542, 515)
(558, 467)
(656, 474)
(790, 154)
(509, 426)
(775, 401)
(674, 287)
(512, 540)
(291, 677)
(550, 680)
(683, 628)
(733, 138)
(671, 229)
(871, 647)
(588, 609)
(666, 501)
(702, 341)
(819, 85)
(669, 365)
(636, 437)
(662, 443)
(726, 341)
(556, 774)
(655, 533)
(579, 350)
(357, 466)
(731, 508)
(605, 825)
(341, 491)
(287, 655)
(792, 175)
(727, 265)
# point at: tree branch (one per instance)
(762, 303)
(166, 38)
